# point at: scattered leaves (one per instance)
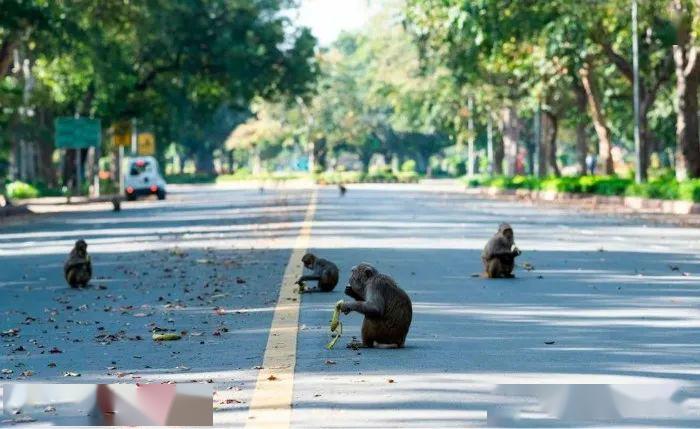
(13, 332)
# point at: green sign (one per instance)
(77, 133)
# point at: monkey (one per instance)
(387, 308)
(499, 254)
(342, 189)
(78, 268)
(324, 271)
(117, 204)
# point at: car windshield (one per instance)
(139, 167)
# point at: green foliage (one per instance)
(662, 188)
(408, 166)
(689, 190)
(20, 190)
(380, 176)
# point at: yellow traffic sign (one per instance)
(121, 135)
(147, 144)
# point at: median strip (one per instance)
(271, 404)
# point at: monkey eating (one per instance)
(387, 308)
(78, 268)
(324, 272)
(499, 254)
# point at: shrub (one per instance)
(19, 190)
(407, 176)
(689, 190)
(408, 166)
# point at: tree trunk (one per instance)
(551, 130)
(685, 56)
(498, 156)
(599, 122)
(489, 145)
(510, 129)
(581, 138)
(204, 162)
(7, 48)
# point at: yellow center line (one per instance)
(271, 405)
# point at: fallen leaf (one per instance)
(10, 333)
(6, 371)
(330, 362)
(272, 378)
(27, 373)
(391, 380)
(51, 365)
(549, 342)
(55, 350)
(71, 374)
(49, 409)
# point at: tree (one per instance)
(687, 66)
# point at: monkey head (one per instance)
(506, 231)
(81, 248)
(308, 260)
(358, 280)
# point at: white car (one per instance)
(141, 177)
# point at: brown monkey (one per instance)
(387, 308)
(499, 254)
(78, 267)
(324, 271)
(342, 189)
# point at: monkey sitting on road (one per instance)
(499, 254)
(78, 267)
(342, 189)
(387, 308)
(324, 271)
(117, 204)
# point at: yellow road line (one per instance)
(271, 405)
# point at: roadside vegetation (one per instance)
(534, 95)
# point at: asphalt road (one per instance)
(610, 300)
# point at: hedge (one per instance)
(667, 189)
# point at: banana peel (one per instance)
(166, 337)
(336, 325)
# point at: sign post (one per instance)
(121, 137)
(77, 134)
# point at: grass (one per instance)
(662, 188)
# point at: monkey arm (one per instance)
(373, 307)
(307, 278)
